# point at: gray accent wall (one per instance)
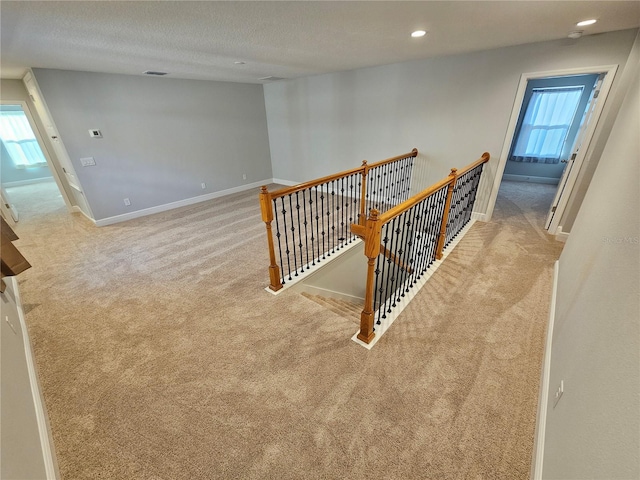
(451, 108)
(594, 430)
(161, 137)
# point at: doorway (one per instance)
(28, 187)
(552, 150)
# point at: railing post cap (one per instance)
(373, 214)
(264, 189)
(415, 150)
(453, 171)
(364, 163)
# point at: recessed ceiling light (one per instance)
(576, 34)
(418, 33)
(240, 63)
(586, 22)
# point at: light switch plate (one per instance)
(87, 162)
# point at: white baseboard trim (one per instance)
(310, 268)
(286, 183)
(180, 203)
(529, 178)
(77, 209)
(561, 236)
(543, 397)
(478, 217)
(32, 181)
(46, 442)
(400, 306)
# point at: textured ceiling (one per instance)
(202, 40)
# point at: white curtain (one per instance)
(19, 140)
(547, 120)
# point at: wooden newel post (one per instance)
(371, 250)
(267, 218)
(445, 216)
(363, 192)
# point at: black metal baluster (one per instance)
(395, 179)
(440, 213)
(410, 249)
(406, 241)
(474, 190)
(435, 219)
(300, 244)
(286, 235)
(278, 235)
(322, 232)
(306, 223)
(384, 188)
(293, 237)
(377, 291)
(334, 215)
(384, 291)
(396, 183)
(373, 180)
(396, 234)
(424, 237)
(406, 179)
(342, 236)
(313, 235)
(352, 211)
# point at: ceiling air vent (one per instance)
(153, 72)
(270, 78)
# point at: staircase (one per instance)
(344, 308)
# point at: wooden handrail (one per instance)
(407, 204)
(413, 153)
(335, 176)
(371, 232)
(483, 159)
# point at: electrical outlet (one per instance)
(558, 394)
(127, 202)
(6, 319)
(244, 176)
(203, 185)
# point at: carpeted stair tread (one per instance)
(344, 308)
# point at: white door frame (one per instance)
(43, 147)
(610, 71)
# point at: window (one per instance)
(18, 138)
(543, 130)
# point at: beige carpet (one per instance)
(162, 357)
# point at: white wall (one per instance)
(451, 108)
(593, 433)
(162, 137)
(26, 449)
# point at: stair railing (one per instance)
(311, 221)
(404, 241)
